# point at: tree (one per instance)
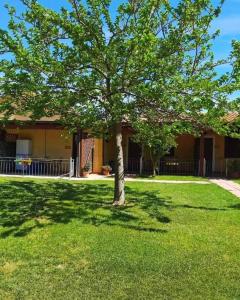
(235, 55)
(152, 60)
(158, 140)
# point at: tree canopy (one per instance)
(151, 61)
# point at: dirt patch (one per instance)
(9, 267)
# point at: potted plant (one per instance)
(86, 170)
(25, 162)
(106, 170)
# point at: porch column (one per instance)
(81, 152)
(77, 141)
(201, 156)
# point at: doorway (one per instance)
(134, 154)
(208, 154)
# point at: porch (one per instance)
(37, 167)
(177, 167)
(211, 155)
(47, 149)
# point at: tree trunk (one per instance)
(154, 163)
(119, 191)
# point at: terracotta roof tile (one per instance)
(232, 116)
(21, 118)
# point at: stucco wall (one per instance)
(56, 144)
(185, 148)
(219, 145)
(46, 143)
(109, 148)
(108, 151)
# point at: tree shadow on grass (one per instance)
(200, 207)
(26, 205)
(235, 206)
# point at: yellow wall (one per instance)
(56, 143)
(109, 148)
(108, 151)
(49, 143)
(184, 150)
(219, 149)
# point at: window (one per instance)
(232, 148)
(171, 152)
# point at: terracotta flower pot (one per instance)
(105, 172)
(85, 174)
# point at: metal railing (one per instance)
(215, 168)
(37, 167)
(133, 165)
(165, 167)
(178, 167)
(169, 166)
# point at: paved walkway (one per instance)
(228, 185)
(166, 181)
(110, 178)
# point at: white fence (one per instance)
(37, 167)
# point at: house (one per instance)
(52, 150)
(184, 160)
(49, 146)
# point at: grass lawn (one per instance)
(64, 240)
(171, 177)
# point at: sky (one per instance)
(228, 22)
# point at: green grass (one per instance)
(64, 240)
(171, 177)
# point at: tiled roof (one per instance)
(229, 118)
(232, 116)
(21, 118)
